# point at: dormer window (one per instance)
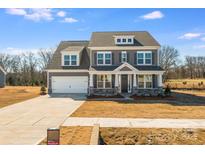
(124, 40)
(70, 59)
(129, 40)
(118, 40)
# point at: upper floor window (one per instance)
(104, 58)
(144, 58)
(123, 56)
(124, 39)
(70, 60)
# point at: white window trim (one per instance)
(104, 52)
(144, 52)
(70, 54)
(104, 81)
(123, 57)
(145, 82)
(124, 37)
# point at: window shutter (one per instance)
(120, 54)
(135, 59)
(113, 58)
(95, 58)
(153, 57)
(128, 57)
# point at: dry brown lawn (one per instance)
(154, 136)
(186, 83)
(73, 135)
(133, 109)
(15, 94)
(200, 93)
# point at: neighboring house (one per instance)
(2, 77)
(108, 64)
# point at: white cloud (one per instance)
(32, 14)
(153, 15)
(16, 11)
(18, 51)
(39, 14)
(70, 20)
(190, 36)
(61, 14)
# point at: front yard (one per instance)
(134, 109)
(15, 94)
(152, 136)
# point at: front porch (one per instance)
(112, 84)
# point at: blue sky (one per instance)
(31, 29)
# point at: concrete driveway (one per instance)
(27, 122)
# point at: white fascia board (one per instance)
(126, 65)
(70, 70)
(126, 72)
(125, 48)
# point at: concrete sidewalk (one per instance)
(136, 122)
(27, 122)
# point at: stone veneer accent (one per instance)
(148, 92)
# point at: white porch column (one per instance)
(134, 80)
(91, 80)
(160, 80)
(116, 80)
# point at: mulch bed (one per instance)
(98, 96)
(153, 97)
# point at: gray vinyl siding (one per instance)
(131, 57)
(63, 74)
(2, 79)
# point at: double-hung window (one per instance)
(123, 56)
(66, 59)
(70, 60)
(104, 58)
(104, 81)
(144, 58)
(145, 81)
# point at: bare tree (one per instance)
(168, 58)
(45, 56)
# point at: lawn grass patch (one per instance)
(137, 109)
(15, 94)
(152, 136)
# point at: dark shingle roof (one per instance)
(141, 68)
(84, 58)
(149, 68)
(141, 38)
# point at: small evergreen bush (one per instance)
(43, 90)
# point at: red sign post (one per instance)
(53, 136)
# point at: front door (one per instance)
(124, 83)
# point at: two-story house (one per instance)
(108, 64)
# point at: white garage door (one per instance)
(71, 84)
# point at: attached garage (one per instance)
(69, 84)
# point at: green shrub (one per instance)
(184, 83)
(43, 90)
(167, 91)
